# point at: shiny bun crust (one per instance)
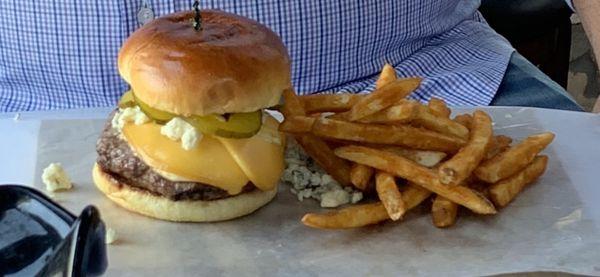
(234, 64)
(163, 208)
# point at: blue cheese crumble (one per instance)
(308, 180)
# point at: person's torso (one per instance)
(62, 54)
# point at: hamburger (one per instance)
(191, 140)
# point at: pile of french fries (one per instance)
(405, 152)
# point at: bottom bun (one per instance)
(148, 204)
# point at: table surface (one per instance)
(552, 226)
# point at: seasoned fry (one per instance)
(360, 175)
(464, 120)
(506, 190)
(338, 168)
(383, 134)
(382, 98)
(497, 145)
(413, 195)
(439, 123)
(461, 165)
(422, 157)
(389, 195)
(365, 214)
(292, 105)
(514, 159)
(388, 75)
(420, 175)
(349, 217)
(297, 124)
(438, 107)
(443, 212)
(396, 114)
(341, 102)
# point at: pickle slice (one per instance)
(127, 100)
(236, 125)
(159, 116)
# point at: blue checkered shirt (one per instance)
(62, 54)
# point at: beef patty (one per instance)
(116, 158)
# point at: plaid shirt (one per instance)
(57, 54)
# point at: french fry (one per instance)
(506, 190)
(413, 195)
(389, 195)
(443, 212)
(438, 107)
(297, 124)
(418, 174)
(365, 214)
(383, 134)
(439, 123)
(461, 165)
(382, 98)
(338, 168)
(341, 102)
(349, 217)
(514, 159)
(396, 114)
(360, 175)
(292, 104)
(481, 187)
(388, 75)
(423, 157)
(464, 120)
(497, 145)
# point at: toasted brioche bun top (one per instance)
(233, 64)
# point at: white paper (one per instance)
(551, 226)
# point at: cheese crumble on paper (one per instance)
(308, 180)
(111, 236)
(55, 178)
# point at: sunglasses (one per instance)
(38, 237)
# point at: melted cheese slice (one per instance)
(261, 157)
(209, 162)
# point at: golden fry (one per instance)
(420, 175)
(438, 107)
(464, 120)
(297, 124)
(413, 195)
(349, 217)
(497, 145)
(341, 102)
(461, 165)
(383, 134)
(439, 123)
(338, 168)
(293, 105)
(389, 195)
(360, 175)
(388, 75)
(382, 98)
(506, 190)
(443, 212)
(365, 214)
(514, 159)
(423, 157)
(396, 114)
